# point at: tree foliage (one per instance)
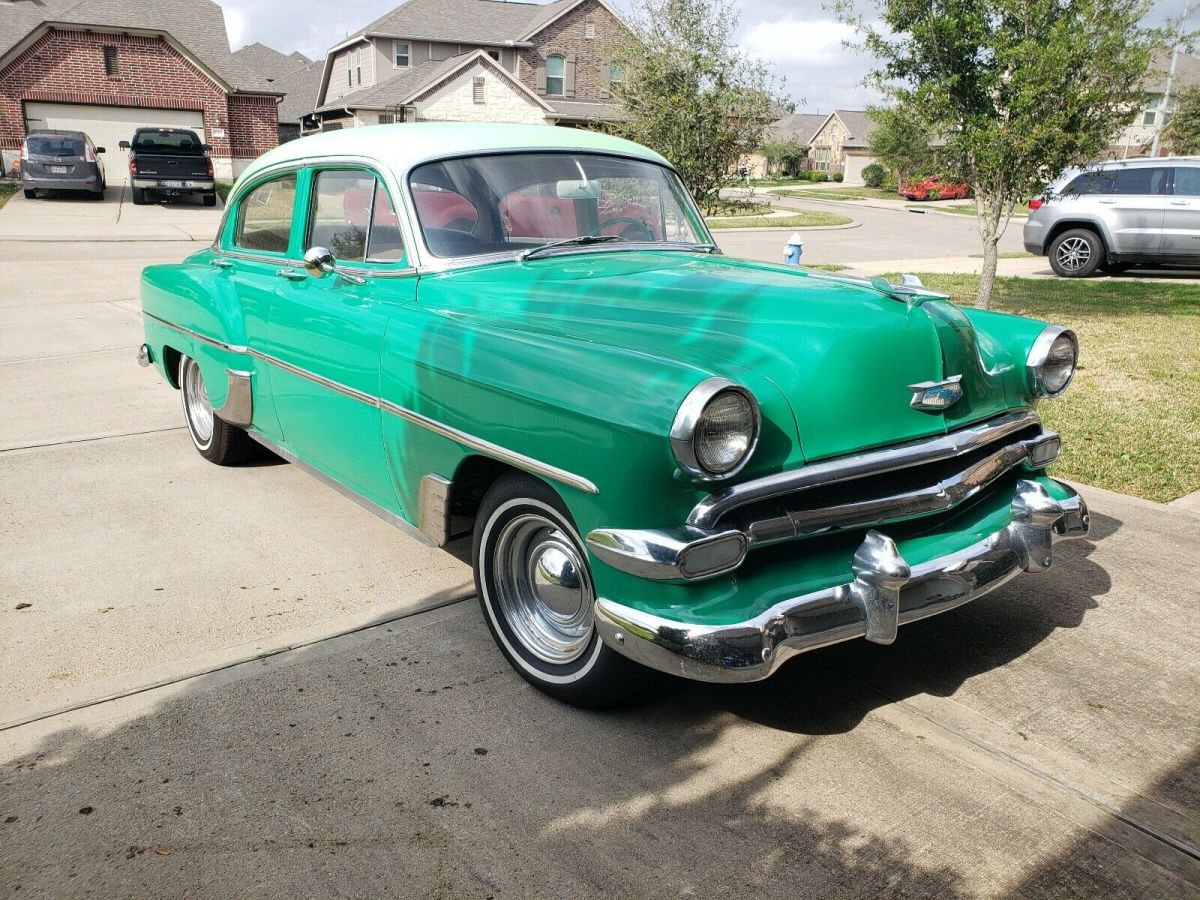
(1183, 131)
(690, 94)
(901, 142)
(1018, 89)
(788, 154)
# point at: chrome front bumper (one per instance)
(886, 592)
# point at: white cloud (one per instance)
(235, 25)
(789, 42)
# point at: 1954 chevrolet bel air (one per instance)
(667, 458)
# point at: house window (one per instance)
(589, 30)
(401, 54)
(477, 89)
(615, 74)
(110, 61)
(353, 68)
(494, 54)
(387, 119)
(822, 155)
(556, 70)
(358, 67)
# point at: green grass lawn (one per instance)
(776, 182)
(1014, 254)
(797, 219)
(825, 267)
(7, 189)
(834, 192)
(967, 209)
(1131, 419)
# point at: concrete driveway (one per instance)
(233, 682)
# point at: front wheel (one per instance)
(217, 440)
(535, 589)
(1076, 253)
(210, 199)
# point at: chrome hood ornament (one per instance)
(935, 396)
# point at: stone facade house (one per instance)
(107, 67)
(842, 144)
(796, 128)
(475, 60)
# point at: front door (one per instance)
(326, 330)
(1181, 229)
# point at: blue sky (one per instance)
(800, 38)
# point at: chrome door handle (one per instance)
(1181, 202)
(221, 263)
(1108, 202)
(291, 274)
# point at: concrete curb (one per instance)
(782, 228)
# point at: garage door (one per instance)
(108, 126)
(854, 167)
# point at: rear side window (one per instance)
(1141, 181)
(264, 218)
(1187, 181)
(54, 145)
(1091, 183)
(353, 217)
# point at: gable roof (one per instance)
(489, 23)
(267, 62)
(407, 88)
(859, 126)
(299, 88)
(797, 126)
(196, 26)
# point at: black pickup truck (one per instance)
(169, 162)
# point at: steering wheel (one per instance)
(633, 225)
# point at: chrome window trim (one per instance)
(486, 447)
(1035, 362)
(683, 428)
(709, 511)
(452, 263)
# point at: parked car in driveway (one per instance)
(169, 162)
(664, 457)
(61, 161)
(1119, 214)
(933, 189)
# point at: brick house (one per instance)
(475, 60)
(843, 144)
(107, 67)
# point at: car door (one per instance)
(1137, 207)
(1181, 228)
(326, 330)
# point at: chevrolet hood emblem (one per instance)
(934, 396)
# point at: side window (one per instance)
(1141, 181)
(1187, 181)
(1100, 182)
(264, 217)
(353, 216)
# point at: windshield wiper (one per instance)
(581, 241)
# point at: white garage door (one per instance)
(108, 126)
(854, 167)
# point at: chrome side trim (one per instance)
(238, 408)
(369, 505)
(886, 592)
(662, 555)
(495, 451)
(709, 511)
(433, 505)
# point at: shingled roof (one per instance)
(299, 88)
(267, 62)
(198, 26)
(487, 23)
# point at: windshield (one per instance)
(515, 202)
(167, 140)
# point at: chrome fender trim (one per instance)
(886, 592)
(238, 408)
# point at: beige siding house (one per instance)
(1136, 138)
(475, 60)
(842, 144)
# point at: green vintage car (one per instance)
(667, 458)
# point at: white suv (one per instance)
(1119, 214)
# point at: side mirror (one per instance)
(99, 149)
(319, 262)
(206, 148)
(124, 145)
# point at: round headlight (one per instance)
(1052, 360)
(715, 429)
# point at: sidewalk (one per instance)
(1024, 267)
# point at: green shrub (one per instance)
(890, 183)
(838, 176)
(873, 175)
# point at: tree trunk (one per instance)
(987, 277)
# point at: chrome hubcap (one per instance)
(1074, 253)
(544, 587)
(199, 409)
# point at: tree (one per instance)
(1183, 131)
(690, 94)
(786, 154)
(901, 143)
(1018, 89)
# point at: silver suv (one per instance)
(1115, 215)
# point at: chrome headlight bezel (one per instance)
(1039, 353)
(686, 426)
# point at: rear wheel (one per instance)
(98, 194)
(30, 193)
(1076, 253)
(535, 589)
(139, 196)
(210, 199)
(217, 440)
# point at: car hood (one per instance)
(841, 353)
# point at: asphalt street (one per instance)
(234, 682)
